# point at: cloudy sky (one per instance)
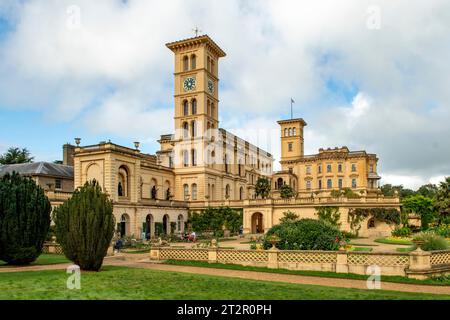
(371, 75)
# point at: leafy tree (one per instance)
(262, 187)
(289, 216)
(286, 192)
(24, 219)
(428, 190)
(16, 155)
(388, 190)
(85, 226)
(305, 234)
(422, 206)
(215, 219)
(442, 203)
(329, 214)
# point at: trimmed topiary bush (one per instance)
(85, 226)
(431, 241)
(305, 234)
(24, 219)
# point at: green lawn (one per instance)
(365, 249)
(393, 241)
(44, 259)
(121, 283)
(398, 279)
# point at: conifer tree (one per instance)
(85, 226)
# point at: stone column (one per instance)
(341, 262)
(419, 260)
(272, 258)
(155, 253)
(212, 252)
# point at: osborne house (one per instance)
(201, 165)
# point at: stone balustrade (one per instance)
(417, 264)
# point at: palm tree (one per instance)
(16, 155)
(442, 203)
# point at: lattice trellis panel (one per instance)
(184, 254)
(380, 260)
(307, 257)
(242, 256)
(440, 258)
(57, 249)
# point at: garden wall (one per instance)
(417, 264)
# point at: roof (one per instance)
(196, 40)
(296, 120)
(38, 169)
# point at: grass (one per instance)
(362, 249)
(392, 241)
(403, 250)
(396, 279)
(44, 259)
(363, 244)
(121, 283)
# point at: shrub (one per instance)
(442, 230)
(286, 192)
(85, 226)
(215, 219)
(305, 234)
(432, 241)
(401, 232)
(24, 219)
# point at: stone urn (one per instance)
(273, 240)
(418, 244)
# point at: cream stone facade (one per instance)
(201, 164)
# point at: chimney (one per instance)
(68, 154)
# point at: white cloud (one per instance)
(113, 74)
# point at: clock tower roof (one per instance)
(204, 39)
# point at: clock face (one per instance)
(210, 86)
(189, 84)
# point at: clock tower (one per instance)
(196, 86)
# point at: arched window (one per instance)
(241, 193)
(194, 106)
(122, 185)
(290, 132)
(185, 158)
(212, 66)
(185, 63)
(279, 183)
(193, 128)
(208, 61)
(240, 167)
(185, 130)
(194, 157)
(294, 131)
(180, 223)
(208, 108)
(227, 191)
(285, 132)
(193, 62)
(186, 191)
(185, 107)
(194, 191)
(213, 110)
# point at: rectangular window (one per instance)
(319, 169)
(170, 162)
(340, 167)
(290, 146)
(58, 184)
(328, 167)
(340, 183)
(308, 184)
(371, 168)
(320, 184)
(353, 167)
(353, 183)
(329, 184)
(308, 170)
